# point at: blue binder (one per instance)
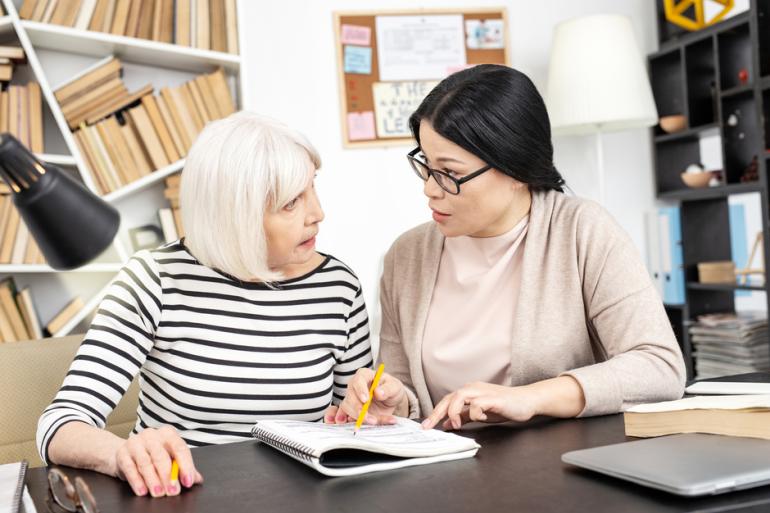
(671, 255)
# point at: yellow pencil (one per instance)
(365, 408)
(174, 471)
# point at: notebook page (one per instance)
(9, 479)
(406, 438)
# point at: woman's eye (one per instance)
(449, 172)
(290, 205)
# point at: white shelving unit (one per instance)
(57, 53)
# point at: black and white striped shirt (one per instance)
(214, 355)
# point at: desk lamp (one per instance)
(70, 224)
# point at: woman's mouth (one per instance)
(309, 243)
(439, 216)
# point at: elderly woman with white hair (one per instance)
(239, 321)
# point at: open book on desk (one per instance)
(333, 450)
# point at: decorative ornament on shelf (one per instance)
(751, 173)
(743, 76)
(744, 274)
(673, 123)
(696, 177)
(676, 13)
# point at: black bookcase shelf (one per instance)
(692, 133)
(711, 192)
(719, 79)
(723, 286)
(741, 89)
(763, 20)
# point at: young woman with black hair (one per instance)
(518, 300)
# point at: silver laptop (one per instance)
(688, 464)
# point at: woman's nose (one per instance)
(431, 188)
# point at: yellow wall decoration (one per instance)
(675, 10)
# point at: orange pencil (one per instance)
(365, 408)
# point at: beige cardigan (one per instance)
(586, 308)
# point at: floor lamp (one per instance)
(597, 81)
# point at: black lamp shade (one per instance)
(70, 224)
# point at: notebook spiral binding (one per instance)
(292, 448)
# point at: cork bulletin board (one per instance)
(387, 62)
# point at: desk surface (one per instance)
(518, 468)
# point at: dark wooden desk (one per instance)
(517, 469)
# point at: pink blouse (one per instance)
(470, 319)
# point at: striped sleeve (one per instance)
(113, 350)
(358, 351)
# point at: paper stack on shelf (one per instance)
(728, 343)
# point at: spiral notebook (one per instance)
(333, 450)
(14, 497)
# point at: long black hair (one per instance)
(495, 113)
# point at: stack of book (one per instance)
(204, 24)
(171, 218)
(9, 57)
(124, 136)
(730, 415)
(730, 343)
(18, 317)
(21, 106)
(17, 246)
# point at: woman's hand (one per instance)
(389, 396)
(483, 402)
(144, 460)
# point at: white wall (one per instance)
(370, 196)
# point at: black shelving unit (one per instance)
(698, 74)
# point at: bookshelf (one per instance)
(57, 54)
(702, 76)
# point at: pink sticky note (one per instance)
(455, 69)
(356, 35)
(361, 126)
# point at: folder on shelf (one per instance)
(670, 233)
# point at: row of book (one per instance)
(729, 343)
(17, 246)
(21, 105)
(124, 136)
(204, 24)
(19, 319)
(171, 217)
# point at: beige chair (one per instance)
(31, 373)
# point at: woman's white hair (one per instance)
(237, 169)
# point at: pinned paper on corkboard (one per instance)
(389, 60)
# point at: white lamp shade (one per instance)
(597, 80)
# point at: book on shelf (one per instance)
(732, 415)
(730, 343)
(64, 316)
(17, 246)
(21, 105)
(125, 136)
(167, 224)
(18, 316)
(202, 24)
(333, 450)
(172, 195)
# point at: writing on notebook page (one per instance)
(403, 433)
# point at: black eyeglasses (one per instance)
(444, 180)
(64, 496)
